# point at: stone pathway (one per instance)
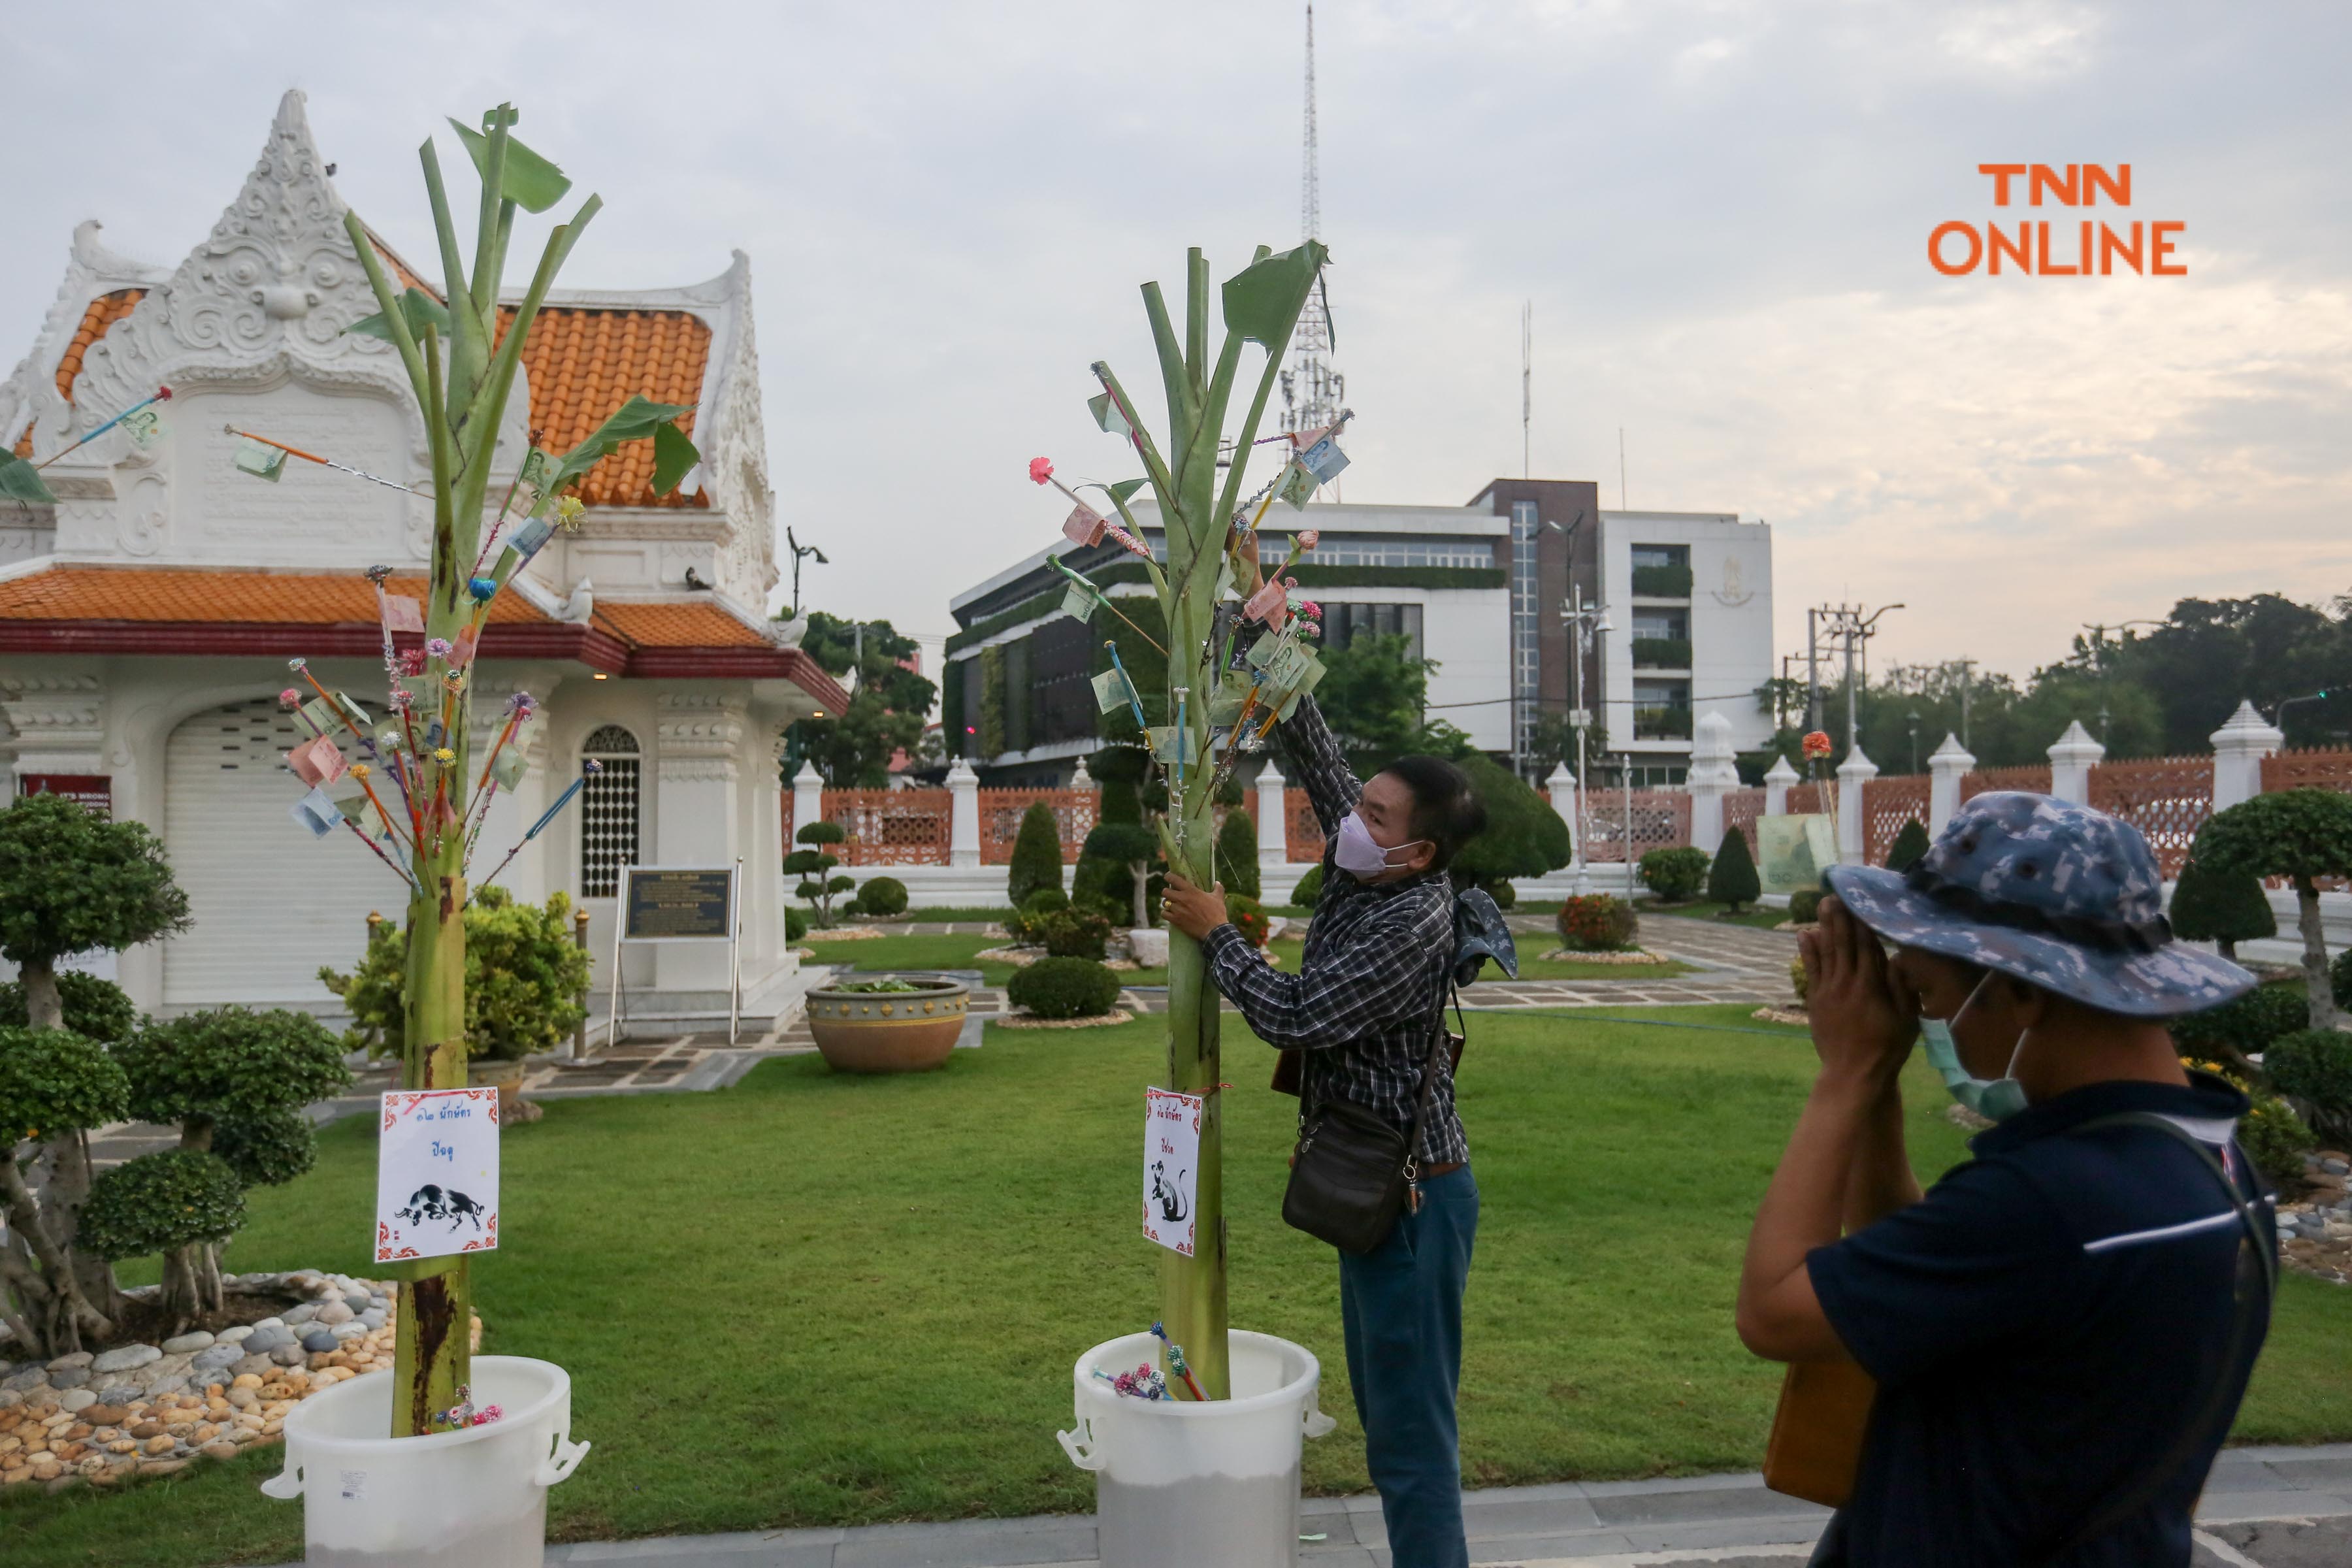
(2263, 1507)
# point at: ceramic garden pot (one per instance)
(888, 1031)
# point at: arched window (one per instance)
(608, 811)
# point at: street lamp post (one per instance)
(1915, 740)
(1583, 620)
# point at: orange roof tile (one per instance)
(677, 626)
(584, 364)
(107, 593)
(101, 313)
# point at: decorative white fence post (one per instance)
(2239, 747)
(1856, 771)
(1777, 780)
(1080, 779)
(2071, 762)
(1273, 832)
(963, 816)
(1713, 775)
(1945, 768)
(808, 797)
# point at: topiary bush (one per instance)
(2312, 1067)
(1805, 906)
(1073, 933)
(1910, 844)
(172, 1202)
(1037, 855)
(1523, 835)
(1249, 918)
(1597, 922)
(1063, 988)
(524, 977)
(1131, 848)
(54, 1083)
(1677, 876)
(1237, 859)
(1027, 925)
(95, 1009)
(1501, 891)
(1732, 880)
(1797, 980)
(2302, 834)
(2226, 907)
(882, 896)
(2241, 1027)
(814, 868)
(1309, 890)
(2276, 1139)
(795, 925)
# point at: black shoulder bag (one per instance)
(1352, 1172)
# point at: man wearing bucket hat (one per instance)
(2061, 1329)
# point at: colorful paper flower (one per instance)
(1310, 609)
(1817, 743)
(1040, 470)
(289, 698)
(482, 588)
(359, 770)
(377, 574)
(436, 647)
(522, 704)
(569, 510)
(444, 755)
(1308, 537)
(162, 394)
(298, 665)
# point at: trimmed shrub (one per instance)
(54, 1082)
(1044, 901)
(1249, 918)
(1523, 835)
(2275, 1138)
(1501, 891)
(2226, 907)
(795, 925)
(1073, 933)
(1027, 925)
(882, 896)
(2242, 1027)
(1063, 988)
(1732, 879)
(1597, 922)
(1677, 876)
(2313, 1066)
(1128, 850)
(1798, 981)
(1910, 844)
(1237, 855)
(814, 866)
(161, 1202)
(1805, 906)
(524, 975)
(1309, 891)
(1037, 855)
(95, 1009)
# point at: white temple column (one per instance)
(1777, 780)
(2239, 747)
(964, 818)
(1856, 771)
(1945, 768)
(1713, 775)
(1272, 833)
(2071, 762)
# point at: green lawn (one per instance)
(814, 1299)
(1753, 915)
(940, 953)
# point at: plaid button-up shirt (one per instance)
(1368, 1002)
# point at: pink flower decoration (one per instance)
(289, 698)
(1307, 540)
(1040, 470)
(1310, 609)
(436, 647)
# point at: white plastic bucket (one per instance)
(1188, 1485)
(471, 1498)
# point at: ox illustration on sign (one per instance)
(436, 1181)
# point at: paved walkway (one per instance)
(2264, 1507)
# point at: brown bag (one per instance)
(1817, 1433)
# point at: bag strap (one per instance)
(2211, 1409)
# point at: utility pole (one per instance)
(1968, 680)
(1812, 673)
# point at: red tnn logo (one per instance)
(2039, 247)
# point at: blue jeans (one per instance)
(1401, 1306)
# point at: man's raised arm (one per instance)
(1319, 765)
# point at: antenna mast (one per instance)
(1527, 381)
(1312, 392)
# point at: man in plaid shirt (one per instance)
(1362, 1015)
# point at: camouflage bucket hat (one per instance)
(2058, 895)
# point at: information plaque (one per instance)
(680, 903)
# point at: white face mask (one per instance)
(1997, 1099)
(1358, 854)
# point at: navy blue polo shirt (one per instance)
(2043, 1324)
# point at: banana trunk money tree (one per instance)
(1203, 524)
(462, 372)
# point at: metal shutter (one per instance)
(270, 903)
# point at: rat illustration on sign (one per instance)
(1168, 1195)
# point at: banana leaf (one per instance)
(634, 420)
(1262, 302)
(19, 481)
(674, 458)
(419, 308)
(529, 181)
(1107, 415)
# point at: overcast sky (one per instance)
(1720, 212)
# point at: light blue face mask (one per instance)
(1996, 1100)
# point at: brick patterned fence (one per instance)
(1661, 819)
(1808, 800)
(2032, 776)
(2307, 770)
(1887, 805)
(1302, 835)
(2167, 798)
(1000, 811)
(1742, 808)
(887, 826)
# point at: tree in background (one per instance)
(1732, 882)
(71, 881)
(2302, 834)
(1524, 836)
(814, 868)
(235, 1082)
(1373, 695)
(887, 711)
(1037, 855)
(1910, 844)
(1237, 854)
(2224, 908)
